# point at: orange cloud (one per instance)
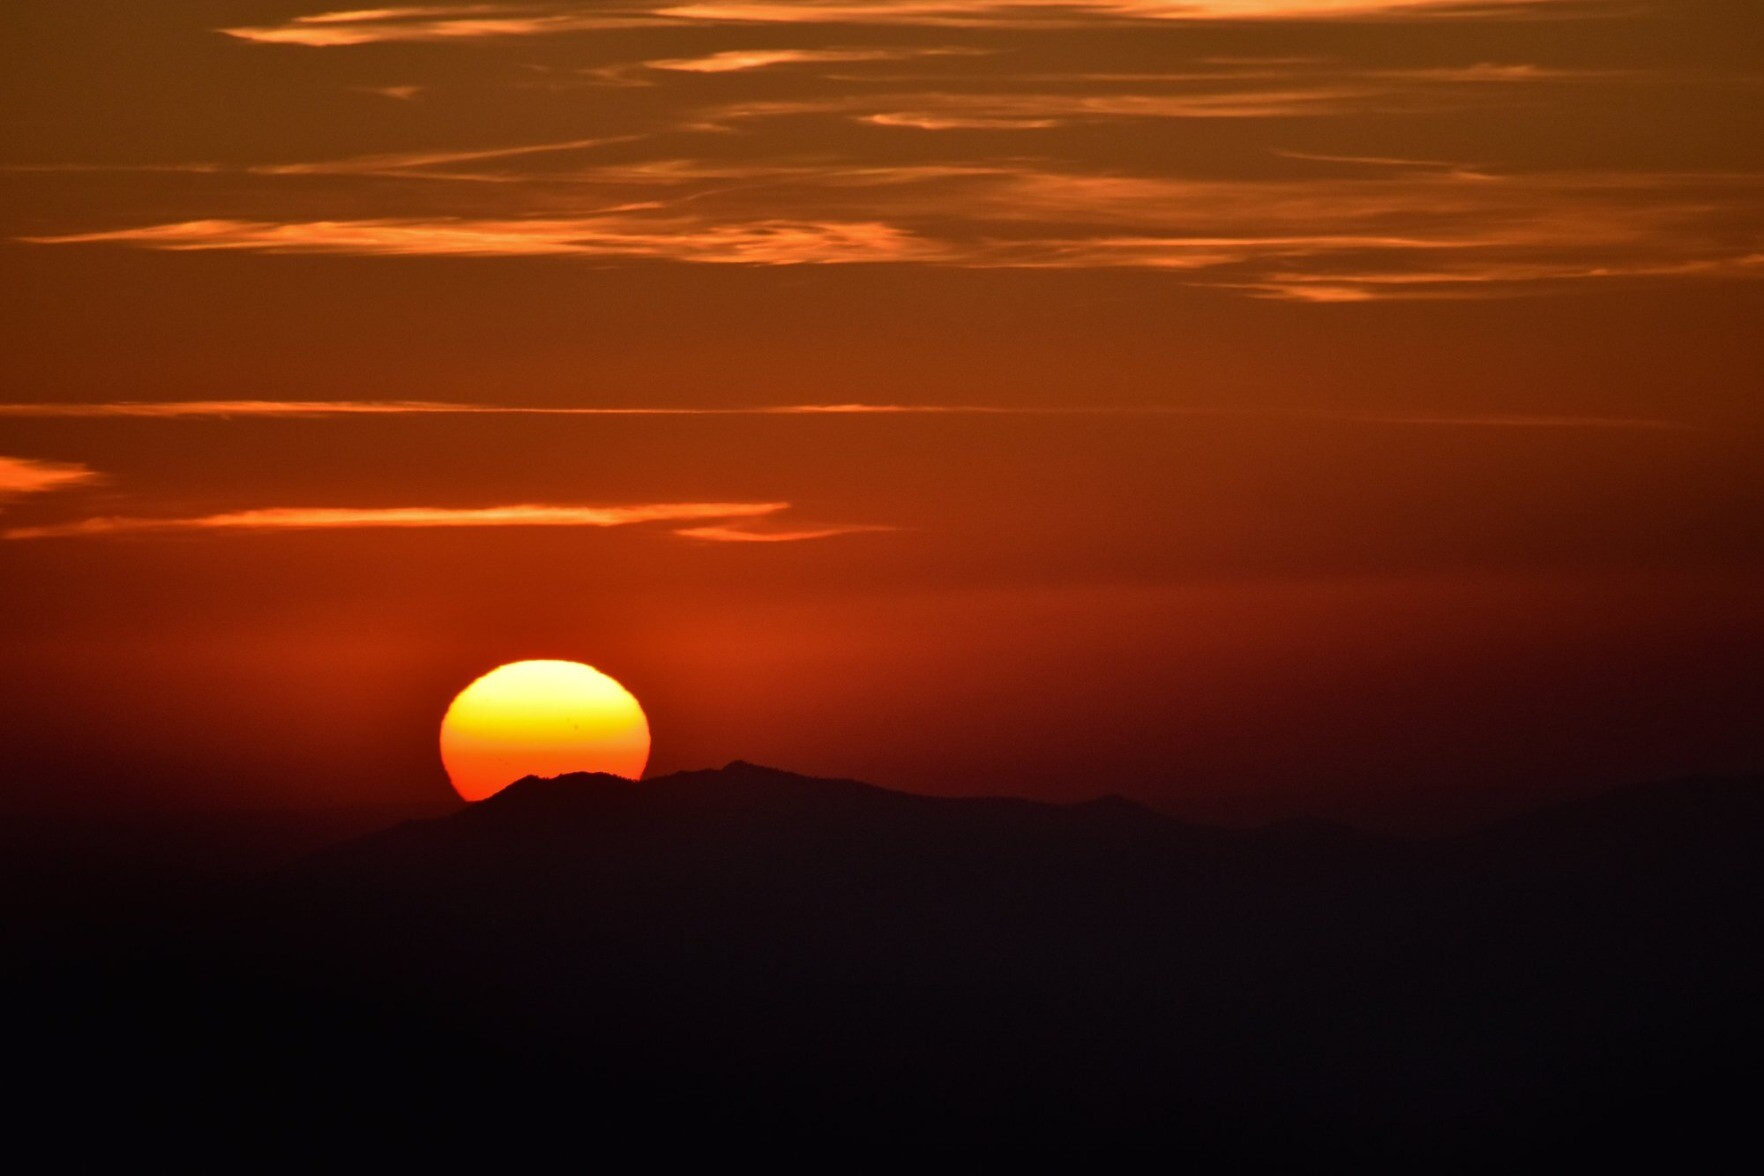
(1380, 161)
(1379, 232)
(420, 164)
(239, 408)
(739, 60)
(397, 93)
(1297, 89)
(24, 475)
(340, 518)
(459, 22)
(1525, 421)
(1485, 281)
(467, 22)
(773, 242)
(409, 165)
(169, 410)
(940, 112)
(717, 533)
(1025, 13)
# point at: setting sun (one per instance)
(541, 718)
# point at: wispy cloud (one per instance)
(414, 165)
(1029, 13)
(1382, 161)
(945, 112)
(741, 60)
(171, 410)
(1471, 280)
(1005, 100)
(469, 22)
(350, 518)
(397, 93)
(1523, 421)
(1301, 89)
(174, 409)
(421, 164)
(773, 242)
(457, 22)
(24, 475)
(721, 533)
(1390, 233)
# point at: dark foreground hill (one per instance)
(747, 959)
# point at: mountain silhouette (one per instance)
(748, 955)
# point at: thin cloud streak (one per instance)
(418, 163)
(397, 93)
(936, 112)
(741, 60)
(1487, 281)
(349, 518)
(173, 409)
(1462, 169)
(408, 165)
(769, 242)
(717, 533)
(25, 475)
(473, 22)
(274, 409)
(1522, 421)
(1060, 13)
(1405, 234)
(1263, 91)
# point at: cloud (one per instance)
(420, 164)
(226, 409)
(1062, 13)
(1382, 161)
(1385, 233)
(1469, 281)
(771, 242)
(943, 112)
(741, 60)
(462, 22)
(718, 533)
(1304, 89)
(24, 475)
(233, 408)
(350, 518)
(171, 409)
(472, 22)
(1065, 109)
(397, 93)
(1524, 421)
(412, 165)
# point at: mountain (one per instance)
(756, 959)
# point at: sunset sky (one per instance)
(1253, 407)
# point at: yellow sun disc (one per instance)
(541, 718)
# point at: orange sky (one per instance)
(1335, 406)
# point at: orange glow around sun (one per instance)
(541, 718)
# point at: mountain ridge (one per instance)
(755, 955)
(1630, 815)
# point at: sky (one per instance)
(1257, 408)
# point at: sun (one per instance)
(541, 718)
